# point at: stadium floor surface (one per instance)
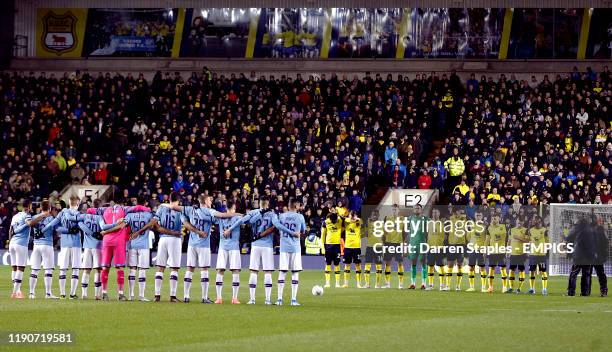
(340, 320)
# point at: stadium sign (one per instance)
(59, 34)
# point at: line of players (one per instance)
(119, 234)
(497, 234)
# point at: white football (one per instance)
(317, 290)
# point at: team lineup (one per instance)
(92, 240)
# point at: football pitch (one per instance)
(340, 320)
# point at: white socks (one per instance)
(173, 282)
(235, 285)
(131, 281)
(48, 280)
(252, 285)
(268, 285)
(142, 282)
(281, 284)
(97, 284)
(159, 277)
(294, 285)
(62, 281)
(187, 283)
(84, 283)
(204, 281)
(17, 281)
(219, 284)
(74, 281)
(33, 281)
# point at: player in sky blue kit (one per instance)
(199, 220)
(291, 225)
(19, 235)
(42, 253)
(70, 246)
(229, 254)
(262, 251)
(91, 225)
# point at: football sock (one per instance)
(268, 285)
(142, 282)
(521, 279)
(74, 281)
(97, 284)
(483, 277)
(48, 280)
(387, 274)
(504, 277)
(449, 273)
(327, 274)
(491, 276)
(235, 285)
(544, 280)
(131, 281)
(33, 281)
(511, 278)
(173, 282)
(337, 274)
(252, 285)
(378, 274)
(120, 280)
(358, 274)
(281, 284)
(424, 274)
(531, 280)
(430, 275)
(219, 284)
(366, 273)
(294, 285)
(84, 283)
(400, 273)
(471, 277)
(104, 279)
(459, 277)
(187, 283)
(413, 275)
(159, 278)
(204, 282)
(17, 283)
(347, 273)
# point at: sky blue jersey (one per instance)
(90, 224)
(21, 229)
(168, 219)
(67, 219)
(202, 219)
(260, 220)
(233, 242)
(47, 238)
(137, 221)
(288, 223)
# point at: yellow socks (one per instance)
(430, 275)
(366, 273)
(504, 276)
(491, 277)
(471, 277)
(387, 273)
(358, 274)
(531, 280)
(483, 278)
(400, 273)
(449, 274)
(337, 275)
(378, 274)
(327, 274)
(521, 279)
(545, 280)
(347, 273)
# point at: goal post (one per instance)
(563, 217)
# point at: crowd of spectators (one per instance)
(329, 141)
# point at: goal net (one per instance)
(563, 217)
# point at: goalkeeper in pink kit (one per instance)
(114, 243)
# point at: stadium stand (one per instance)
(330, 141)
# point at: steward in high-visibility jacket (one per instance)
(455, 166)
(313, 245)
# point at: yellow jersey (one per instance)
(457, 237)
(537, 238)
(497, 235)
(393, 236)
(288, 39)
(352, 231)
(477, 237)
(332, 231)
(517, 244)
(435, 235)
(372, 239)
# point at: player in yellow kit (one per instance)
(331, 234)
(370, 255)
(517, 237)
(435, 239)
(479, 240)
(497, 238)
(456, 248)
(394, 239)
(538, 237)
(352, 247)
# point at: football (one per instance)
(317, 290)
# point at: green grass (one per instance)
(340, 320)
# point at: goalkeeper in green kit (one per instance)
(417, 235)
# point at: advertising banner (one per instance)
(60, 32)
(130, 32)
(600, 35)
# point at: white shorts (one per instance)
(169, 252)
(198, 257)
(69, 258)
(91, 258)
(42, 254)
(140, 258)
(262, 255)
(19, 254)
(290, 261)
(232, 257)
